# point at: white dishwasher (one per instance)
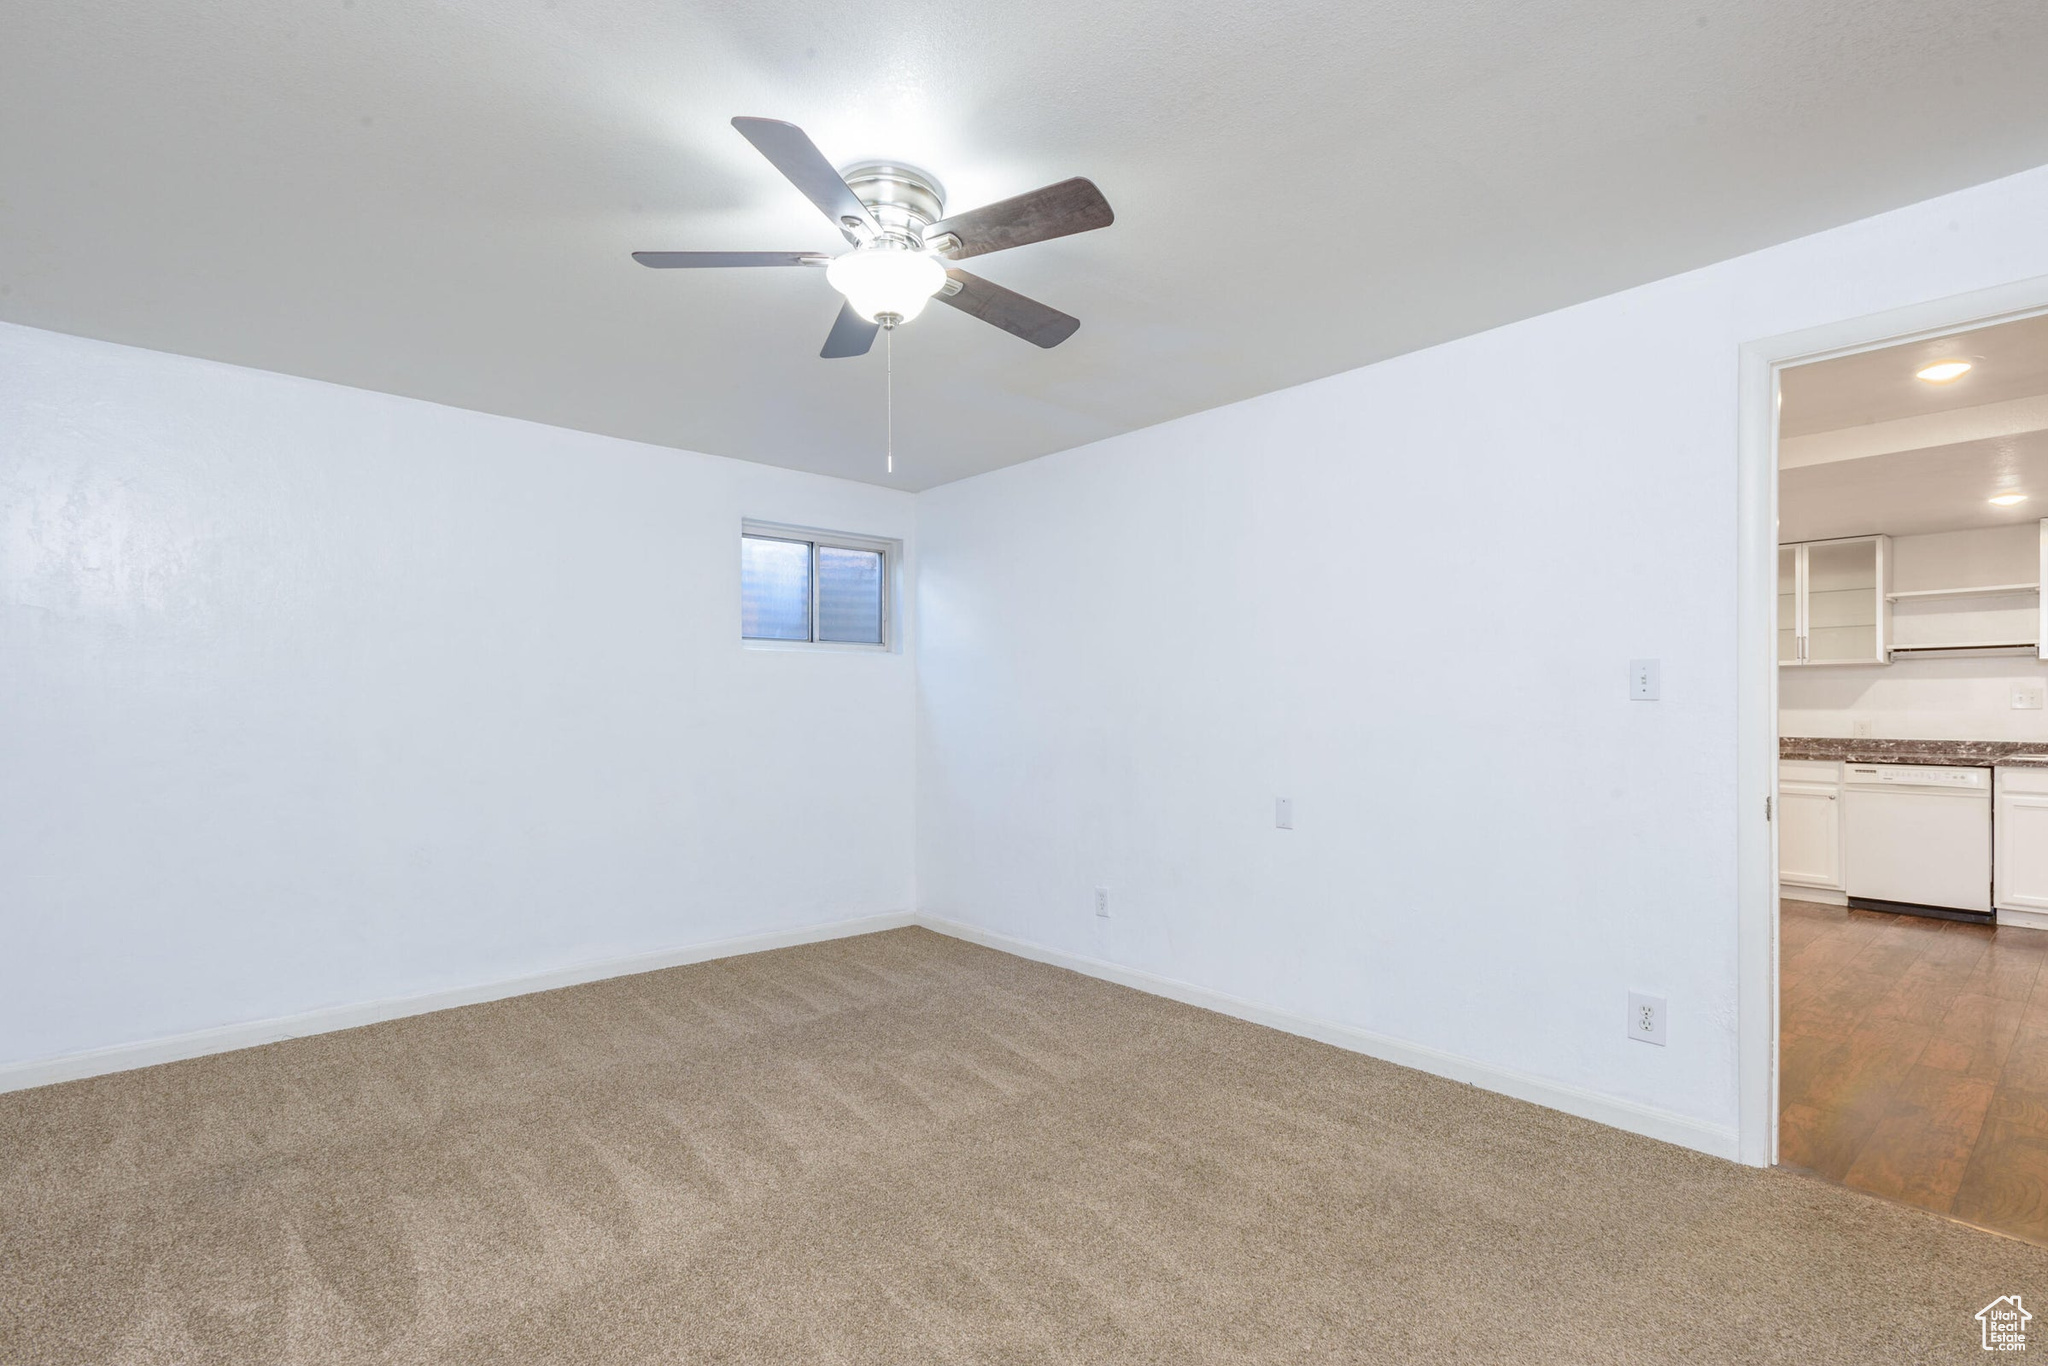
(1918, 838)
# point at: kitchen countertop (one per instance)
(1955, 753)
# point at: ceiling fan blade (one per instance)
(1037, 323)
(797, 157)
(1054, 211)
(699, 260)
(851, 335)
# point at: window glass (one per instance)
(775, 589)
(849, 595)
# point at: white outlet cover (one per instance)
(2028, 696)
(1102, 902)
(1283, 813)
(1646, 1018)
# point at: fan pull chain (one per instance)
(889, 394)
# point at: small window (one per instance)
(813, 586)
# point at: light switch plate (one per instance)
(1643, 680)
(2028, 696)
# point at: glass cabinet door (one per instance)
(1788, 604)
(1842, 602)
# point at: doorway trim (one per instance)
(1756, 711)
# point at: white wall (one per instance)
(1919, 699)
(312, 696)
(1405, 597)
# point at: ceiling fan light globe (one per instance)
(886, 280)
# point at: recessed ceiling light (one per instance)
(2006, 500)
(1942, 371)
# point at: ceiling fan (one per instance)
(894, 216)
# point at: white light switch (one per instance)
(1283, 813)
(2027, 696)
(1642, 680)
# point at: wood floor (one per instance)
(1913, 1061)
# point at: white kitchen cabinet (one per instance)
(1810, 824)
(2041, 593)
(1833, 601)
(1789, 619)
(2020, 864)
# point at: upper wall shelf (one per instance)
(1987, 590)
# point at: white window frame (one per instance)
(891, 553)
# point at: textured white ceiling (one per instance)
(1942, 484)
(2008, 361)
(438, 198)
(1903, 493)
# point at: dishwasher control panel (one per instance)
(1918, 775)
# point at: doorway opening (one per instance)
(1896, 670)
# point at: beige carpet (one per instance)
(902, 1149)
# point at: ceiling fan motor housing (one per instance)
(903, 199)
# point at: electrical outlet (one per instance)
(1102, 902)
(1646, 1018)
(1643, 680)
(1859, 730)
(2028, 696)
(1283, 813)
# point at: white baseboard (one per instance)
(226, 1038)
(1620, 1114)
(1820, 896)
(2022, 918)
(1647, 1120)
